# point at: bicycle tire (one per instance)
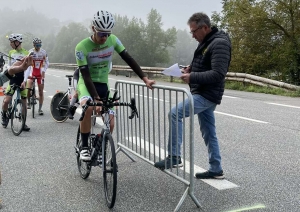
(17, 117)
(84, 168)
(109, 165)
(59, 113)
(32, 101)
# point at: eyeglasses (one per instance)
(103, 34)
(195, 30)
(38, 45)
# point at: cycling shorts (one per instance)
(10, 92)
(39, 79)
(101, 89)
(83, 93)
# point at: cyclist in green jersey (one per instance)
(16, 54)
(93, 56)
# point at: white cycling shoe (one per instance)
(85, 155)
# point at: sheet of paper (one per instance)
(174, 71)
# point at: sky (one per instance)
(173, 12)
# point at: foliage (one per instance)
(66, 41)
(265, 37)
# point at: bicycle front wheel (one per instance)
(59, 107)
(109, 171)
(84, 168)
(17, 118)
(32, 102)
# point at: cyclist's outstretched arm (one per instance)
(136, 68)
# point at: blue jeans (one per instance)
(205, 111)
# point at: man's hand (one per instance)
(148, 82)
(186, 70)
(186, 77)
(23, 85)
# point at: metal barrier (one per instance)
(147, 136)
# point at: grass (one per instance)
(259, 89)
(240, 86)
(245, 87)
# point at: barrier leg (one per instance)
(120, 149)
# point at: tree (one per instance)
(66, 41)
(265, 36)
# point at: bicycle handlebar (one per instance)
(108, 103)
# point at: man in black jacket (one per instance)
(206, 78)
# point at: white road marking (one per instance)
(150, 97)
(283, 105)
(241, 117)
(218, 184)
(232, 97)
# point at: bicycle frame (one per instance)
(15, 102)
(104, 131)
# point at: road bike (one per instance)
(102, 146)
(16, 112)
(60, 103)
(32, 99)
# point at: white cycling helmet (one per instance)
(103, 20)
(16, 37)
(36, 40)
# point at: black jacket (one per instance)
(210, 65)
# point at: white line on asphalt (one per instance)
(241, 117)
(218, 184)
(232, 97)
(283, 105)
(150, 97)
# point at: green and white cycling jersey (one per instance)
(97, 57)
(16, 54)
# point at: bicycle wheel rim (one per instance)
(59, 114)
(109, 171)
(84, 168)
(17, 118)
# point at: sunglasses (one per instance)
(37, 45)
(103, 34)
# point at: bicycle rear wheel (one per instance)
(59, 107)
(17, 118)
(84, 168)
(109, 165)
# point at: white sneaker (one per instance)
(41, 112)
(85, 155)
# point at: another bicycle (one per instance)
(32, 100)
(16, 112)
(60, 103)
(102, 146)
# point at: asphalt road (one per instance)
(259, 139)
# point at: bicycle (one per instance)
(60, 103)
(15, 112)
(32, 100)
(102, 146)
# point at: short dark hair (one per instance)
(200, 19)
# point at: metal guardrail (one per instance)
(147, 136)
(230, 76)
